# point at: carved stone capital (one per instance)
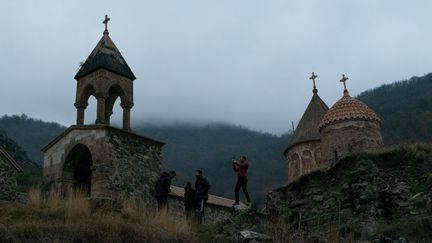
(126, 104)
(81, 104)
(99, 95)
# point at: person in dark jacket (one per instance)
(202, 186)
(241, 167)
(189, 199)
(162, 188)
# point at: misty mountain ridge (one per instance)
(405, 108)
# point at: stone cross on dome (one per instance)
(313, 77)
(343, 80)
(106, 24)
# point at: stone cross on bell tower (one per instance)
(343, 80)
(313, 77)
(106, 76)
(106, 24)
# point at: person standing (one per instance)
(162, 188)
(202, 186)
(189, 199)
(241, 167)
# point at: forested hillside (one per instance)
(31, 134)
(15, 151)
(405, 108)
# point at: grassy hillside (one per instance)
(52, 218)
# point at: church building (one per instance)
(108, 162)
(99, 159)
(323, 135)
(304, 149)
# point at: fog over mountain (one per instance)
(242, 62)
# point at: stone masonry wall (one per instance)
(213, 213)
(124, 165)
(135, 167)
(8, 183)
(365, 189)
(304, 158)
(345, 138)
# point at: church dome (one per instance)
(348, 108)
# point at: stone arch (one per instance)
(307, 161)
(88, 91)
(77, 169)
(114, 92)
(294, 167)
(318, 157)
(82, 101)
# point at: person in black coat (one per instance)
(162, 188)
(189, 199)
(202, 186)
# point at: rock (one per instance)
(239, 208)
(317, 198)
(296, 203)
(416, 196)
(401, 240)
(251, 236)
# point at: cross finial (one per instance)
(313, 77)
(343, 80)
(106, 23)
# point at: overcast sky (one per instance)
(240, 61)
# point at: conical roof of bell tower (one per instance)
(307, 129)
(105, 55)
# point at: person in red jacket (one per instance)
(241, 167)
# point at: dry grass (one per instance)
(283, 232)
(73, 219)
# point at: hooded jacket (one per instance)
(163, 185)
(202, 186)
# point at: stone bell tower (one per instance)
(98, 159)
(105, 75)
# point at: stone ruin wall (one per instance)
(8, 183)
(363, 191)
(213, 213)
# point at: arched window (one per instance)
(318, 157)
(294, 166)
(307, 161)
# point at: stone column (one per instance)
(80, 112)
(100, 109)
(80, 116)
(126, 118)
(108, 117)
(126, 115)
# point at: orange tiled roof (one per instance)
(348, 108)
